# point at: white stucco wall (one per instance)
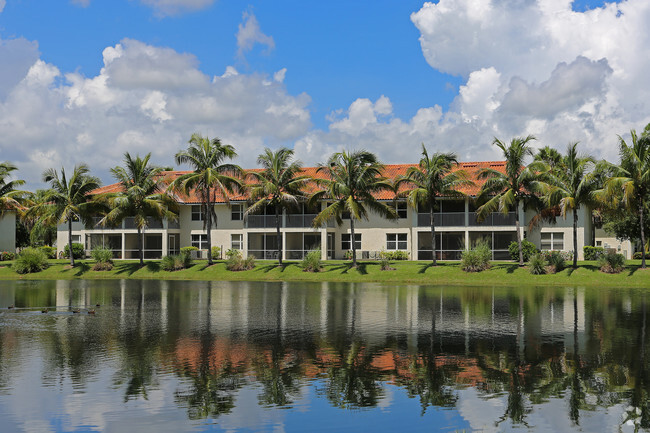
(8, 232)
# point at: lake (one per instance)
(291, 357)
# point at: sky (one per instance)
(83, 81)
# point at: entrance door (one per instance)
(171, 245)
(330, 246)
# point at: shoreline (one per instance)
(406, 272)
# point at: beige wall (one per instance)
(564, 226)
(8, 232)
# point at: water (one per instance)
(220, 356)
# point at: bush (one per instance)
(347, 255)
(235, 261)
(188, 251)
(6, 255)
(312, 261)
(50, 252)
(103, 258)
(77, 251)
(537, 264)
(215, 253)
(175, 262)
(556, 260)
(528, 250)
(385, 258)
(395, 255)
(611, 263)
(593, 253)
(30, 260)
(477, 259)
(636, 256)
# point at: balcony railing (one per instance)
(494, 219)
(442, 219)
(261, 221)
(300, 220)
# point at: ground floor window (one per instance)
(396, 241)
(552, 241)
(237, 241)
(347, 245)
(200, 241)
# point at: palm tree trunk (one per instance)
(432, 220)
(208, 226)
(575, 238)
(354, 248)
(278, 234)
(642, 235)
(521, 252)
(70, 241)
(140, 246)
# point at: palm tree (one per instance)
(143, 196)
(630, 185)
(503, 192)
(351, 180)
(209, 178)
(67, 200)
(10, 197)
(277, 185)
(570, 185)
(431, 178)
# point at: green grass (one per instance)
(500, 274)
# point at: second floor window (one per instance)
(237, 212)
(402, 212)
(197, 212)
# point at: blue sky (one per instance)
(315, 76)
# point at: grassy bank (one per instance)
(500, 274)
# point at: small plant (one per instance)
(611, 263)
(537, 264)
(77, 251)
(7, 255)
(384, 261)
(636, 256)
(528, 249)
(477, 259)
(593, 253)
(30, 260)
(347, 255)
(236, 262)
(395, 255)
(103, 258)
(312, 261)
(50, 252)
(215, 253)
(175, 262)
(556, 261)
(188, 251)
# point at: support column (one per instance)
(284, 241)
(165, 243)
(323, 244)
(123, 245)
(244, 241)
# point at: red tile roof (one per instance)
(391, 171)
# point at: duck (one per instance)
(11, 307)
(45, 310)
(76, 310)
(97, 305)
(91, 311)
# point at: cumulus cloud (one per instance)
(250, 34)
(176, 7)
(17, 55)
(2, 5)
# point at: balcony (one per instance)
(442, 219)
(300, 220)
(494, 219)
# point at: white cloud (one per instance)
(249, 34)
(2, 5)
(17, 55)
(176, 7)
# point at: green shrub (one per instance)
(636, 256)
(384, 261)
(235, 261)
(103, 258)
(215, 253)
(30, 260)
(611, 263)
(593, 253)
(395, 255)
(175, 262)
(188, 250)
(186, 255)
(477, 259)
(347, 255)
(77, 251)
(556, 260)
(312, 261)
(528, 249)
(537, 264)
(50, 252)
(7, 255)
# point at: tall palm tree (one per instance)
(142, 196)
(67, 199)
(572, 184)
(433, 177)
(352, 179)
(10, 197)
(630, 185)
(502, 192)
(278, 185)
(211, 177)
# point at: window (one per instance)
(237, 241)
(396, 241)
(552, 241)
(347, 245)
(401, 209)
(197, 213)
(200, 241)
(237, 212)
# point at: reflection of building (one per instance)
(456, 228)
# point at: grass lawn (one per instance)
(500, 274)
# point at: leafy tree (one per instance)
(142, 196)
(503, 192)
(433, 177)
(571, 184)
(278, 185)
(211, 177)
(630, 185)
(67, 200)
(352, 179)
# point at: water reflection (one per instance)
(180, 355)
